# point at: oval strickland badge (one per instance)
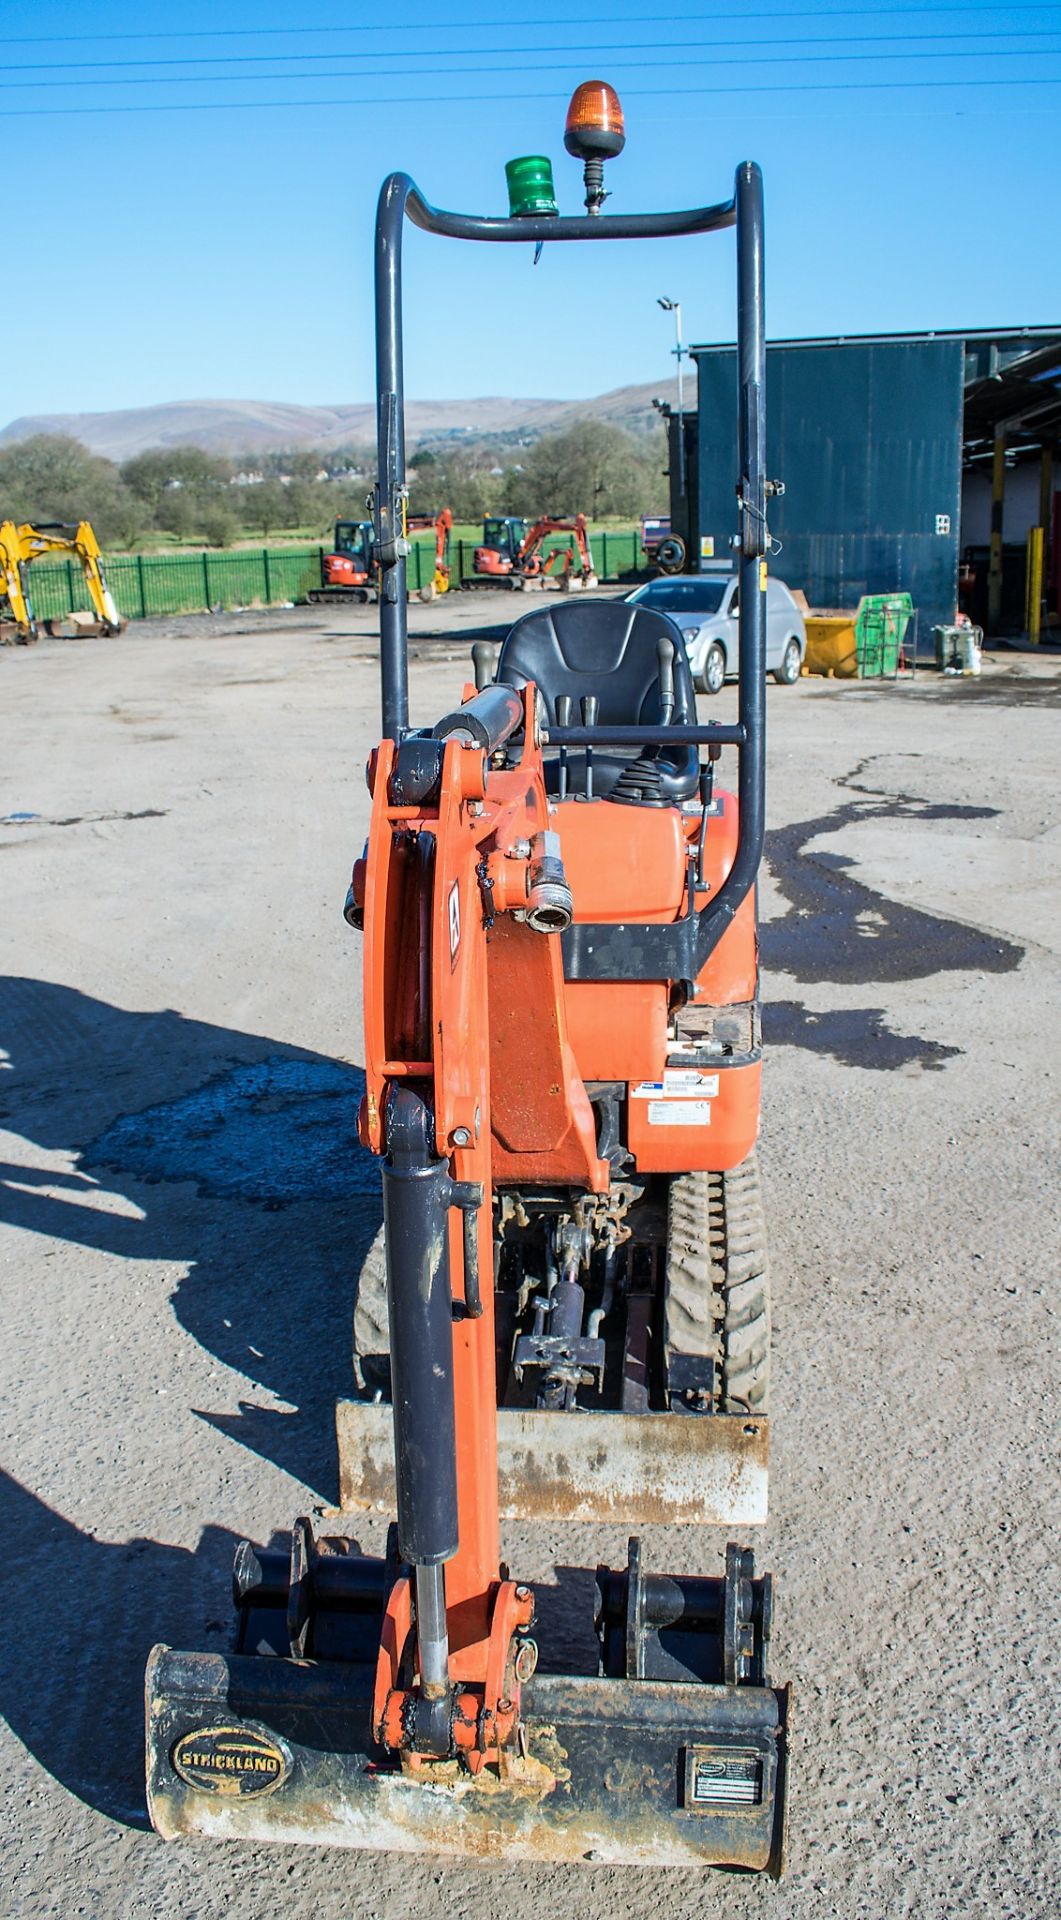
(230, 1760)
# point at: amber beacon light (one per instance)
(594, 133)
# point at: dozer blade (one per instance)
(665, 1469)
(635, 1772)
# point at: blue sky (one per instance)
(204, 249)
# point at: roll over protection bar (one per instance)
(638, 951)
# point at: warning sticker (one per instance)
(679, 1083)
(689, 1080)
(679, 1113)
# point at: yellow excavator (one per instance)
(19, 545)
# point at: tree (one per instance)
(593, 468)
(466, 479)
(51, 476)
(179, 486)
(265, 507)
(218, 525)
(307, 503)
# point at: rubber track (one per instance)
(717, 1281)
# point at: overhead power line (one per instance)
(549, 20)
(678, 58)
(362, 101)
(451, 52)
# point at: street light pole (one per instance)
(675, 307)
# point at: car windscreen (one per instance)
(683, 596)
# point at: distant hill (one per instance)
(257, 426)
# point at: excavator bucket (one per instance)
(673, 1753)
(82, 626)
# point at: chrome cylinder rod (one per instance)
(431, 1636)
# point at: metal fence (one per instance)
(156, 583)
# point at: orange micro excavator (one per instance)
(349, 571)
(566, 1316)
(511, 555)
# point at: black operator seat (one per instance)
(608, 648)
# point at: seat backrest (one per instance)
(604, 647)
(607, 648)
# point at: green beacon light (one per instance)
(530, 187)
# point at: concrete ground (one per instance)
(179, 1226)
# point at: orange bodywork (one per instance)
(340, 570)
(465, 998)
(488, 560)
(629, 863)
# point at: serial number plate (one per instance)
(723, 1777)
(679, 1113)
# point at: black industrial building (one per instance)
(912, 462)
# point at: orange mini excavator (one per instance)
(521, 563)
(348, 571)
(565, 1318)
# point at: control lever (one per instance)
(590, 708)
(707, 789)
(665, 656)
(564, 709)
(484, 663)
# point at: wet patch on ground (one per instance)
(856, 1036)
(26, 819)
(837, 929)
(1000, 687)
(248, 1183)
(275, 1132)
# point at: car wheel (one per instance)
(787, 673)
(712, 674)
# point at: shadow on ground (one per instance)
(81, 1616)
(243, 1157)
(838, 930)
